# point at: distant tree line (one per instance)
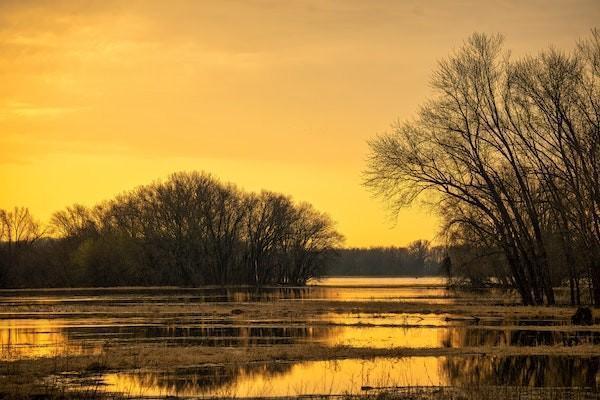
(419, 258)
(508, 153)
(188, 230)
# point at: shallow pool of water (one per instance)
(94, 321)
(426, 290)
(352, 376)
(32, 338)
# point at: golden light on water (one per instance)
(306, 378)
(23, 338)
(199, 352)
(389, 337)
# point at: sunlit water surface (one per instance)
(352, 376)
(32, 335)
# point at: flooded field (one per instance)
(336, 336)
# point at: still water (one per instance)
(31, 335)
(425, 290)
(352, 376)
(28, 338)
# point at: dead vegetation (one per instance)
(164, 358)
(279, 309)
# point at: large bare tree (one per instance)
(506, 151)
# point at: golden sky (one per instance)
(99, 97)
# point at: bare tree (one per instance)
(502, 151)
(18, 233)
(190, 229)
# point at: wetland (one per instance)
(336, 336)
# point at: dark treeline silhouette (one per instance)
(417, 259)
(188, 230)
(509, 153)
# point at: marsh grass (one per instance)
(481, 393)
(397, 393)
(278, 309)
(148, 356)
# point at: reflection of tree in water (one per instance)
(268, 294)
(112, 296)
(521, 371)
(218, 335)
(478, 337)
(248, 336)
(221, 334)
(206, 379)
(531, 370)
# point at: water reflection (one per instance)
(213, 380)
(84, 332)
(115, 296)
(24, 338)
(474, 337)
(362, 281)
(349, 376)
(39, 338)
(31, 338)
(278, 379)
(421, 290)
(523, 371)
(455, 337)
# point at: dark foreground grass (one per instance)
(396, 393)
(483, 393)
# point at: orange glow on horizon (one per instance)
(99, 98)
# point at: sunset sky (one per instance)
(99, 97)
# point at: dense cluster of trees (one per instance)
(419, 258)
(509, 153)
(188, 230)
